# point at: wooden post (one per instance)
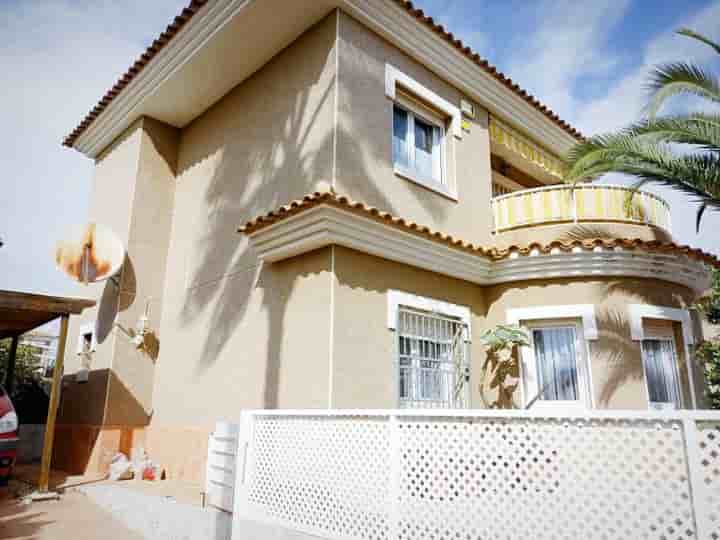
(10, 374)
(44, 480)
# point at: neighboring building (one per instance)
(396, 197)
(46, 345)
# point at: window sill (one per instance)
(427, 184)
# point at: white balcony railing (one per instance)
(480, 474)
(582, 203)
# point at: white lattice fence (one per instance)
(221, 473)
(489, 475)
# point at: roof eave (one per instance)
(417, 35)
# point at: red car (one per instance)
(8, 436)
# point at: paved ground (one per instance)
(73, 517)
(92, 507)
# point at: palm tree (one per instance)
(680, 151)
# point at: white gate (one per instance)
(220, 475)
(479, 474)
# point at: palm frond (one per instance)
(680, 78)
(700, 130)
(695, 175)
(699, 37)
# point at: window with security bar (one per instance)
(433, 360)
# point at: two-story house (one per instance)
(325, 204)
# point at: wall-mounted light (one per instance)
(142, 336)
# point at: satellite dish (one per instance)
(90, 253)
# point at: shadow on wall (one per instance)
(282, 155)
(620, 357)
(591, 232)
(103, 401)
(623, 358)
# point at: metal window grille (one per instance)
(433, 360)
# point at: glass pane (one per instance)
(556, 363)
(659, 359)
(423, 148)
(400, 136)
(437, 156)
(431, 355)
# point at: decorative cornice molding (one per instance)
(602, 263)
(390, 20)
(120, 108)
(324, 224)
(118, 114)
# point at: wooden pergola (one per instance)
(21, 312)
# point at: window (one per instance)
(666, 330)
(418, 146)
(556, 363)
(554, 366)
(660, 363)
(432, 360)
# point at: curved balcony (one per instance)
(582, 203)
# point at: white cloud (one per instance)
(625, 100)
(568, 44)
(58, 59)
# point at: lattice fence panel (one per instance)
(707, 493)
(324, 474)
(467, 477)
(554, 479)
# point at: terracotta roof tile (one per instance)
(331, 198)
(155, 47)
(187, 13)
(489, 68)
(609, 244)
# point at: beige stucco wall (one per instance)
(237, 334)
(111, 201)
(132, 194)
(615, 362)
(364, 154)
(310, 331)
(365, 349)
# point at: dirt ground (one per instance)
(73, 517)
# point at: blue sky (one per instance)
(586, 59)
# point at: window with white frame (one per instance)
(663, 331)
(418, 143)
(423, 127)
(555, 364)
(660, 364)
(433, 351)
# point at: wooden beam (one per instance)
(52, 412)
(10, 373)
(38, 302)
